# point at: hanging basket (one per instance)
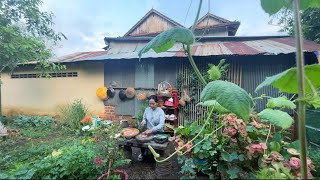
(164, 89)
(141, 96)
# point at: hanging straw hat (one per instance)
(111, 92)
(122, 95)
(130, 92)
(102, 93)
(142, 96)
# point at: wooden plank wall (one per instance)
(153, 24)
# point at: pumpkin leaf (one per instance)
(287, 81)
(215, 105)
(233, 172)
(167, 39)
(275, 146)
(229, 157)
(274, 6)
(230, 96)
(276, 117)
(280, 102)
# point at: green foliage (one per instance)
(215, 105)
(275, 146)
(23, 120)
(276, 117)
(233, 173)
(107, 145)
(229, 157)
(139, 116)
(214, 72)
(167, 39)
(75, 160)
(295, 145)
(24, 32)
(3, 119)
(230, 96)
(273, 6)
(278, 171)
(287, 82)
(314, 155)
(187, 168)
(309, 20)
(280, 102)
(73, 113)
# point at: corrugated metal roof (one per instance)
(128, 49)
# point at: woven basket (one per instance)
(141, 96)
(129, 132)
(164, 89)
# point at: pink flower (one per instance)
(310, 165)
(294, 163)
(234, 140)
(263, 146)
(230, 131)
(98, 161)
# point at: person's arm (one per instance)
(160, 126)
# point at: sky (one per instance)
(86, 22)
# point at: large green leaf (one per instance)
(215, 105)
(273, 6)
(287, 80)
(230, 96)
(280, 102)
(167, 39)
(276, 117)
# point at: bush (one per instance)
(69, 162)
(3, 120)
(314, 155)
(23, 120)
(73, 113)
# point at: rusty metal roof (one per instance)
(128, 48)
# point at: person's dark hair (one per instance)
(154, 97)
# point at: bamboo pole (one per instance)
(301, 104)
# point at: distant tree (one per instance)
(25, 33)
(310, 21)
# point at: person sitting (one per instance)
(154, 118)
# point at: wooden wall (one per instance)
(153, 24)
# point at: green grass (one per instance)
(32, 143)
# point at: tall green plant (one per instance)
(272, 7)
(73, 113)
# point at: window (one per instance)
(37, 75)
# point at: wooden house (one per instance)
(251, 59)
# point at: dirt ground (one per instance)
(147, 168)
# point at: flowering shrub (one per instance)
(245, 149)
